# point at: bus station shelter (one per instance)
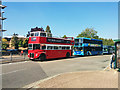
(117, 53)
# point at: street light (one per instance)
(2, 18)
(2, 6)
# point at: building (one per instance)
(8, 38)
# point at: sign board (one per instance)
(33, 39)
(53, 40)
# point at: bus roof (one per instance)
(88, 38)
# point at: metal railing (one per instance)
(13, 57)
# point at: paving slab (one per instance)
(84, 79)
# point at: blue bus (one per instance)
(108, 49)
(88, 46)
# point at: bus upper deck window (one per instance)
(76, 40)
(43, 34)
(37, 34)
(32, 34)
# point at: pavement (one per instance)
(13, 58)
(23, 74)
(83, 79)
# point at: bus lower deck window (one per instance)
(43, 47)
(36, 46)
(50, 47)
(55, 47)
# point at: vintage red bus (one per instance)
(42, 45)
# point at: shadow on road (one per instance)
(55, 59)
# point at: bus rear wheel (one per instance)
(42, 57)
(68, 54)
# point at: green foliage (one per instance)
(25, 43)
(91, 33)
(4, 43)
(64, 36)
(109, 42)
(48, 29)
(20, 43)
(15, 41)
(88, 33)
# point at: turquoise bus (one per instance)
(108, 49)
(88, 46)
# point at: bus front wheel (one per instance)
(42, 57)
(68, 54)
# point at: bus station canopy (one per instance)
(117, 40)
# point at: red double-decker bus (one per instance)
(42, 45)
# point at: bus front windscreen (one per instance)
(33, 46)
(29, 46)
(78, 49)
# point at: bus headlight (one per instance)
(36, 54)
(28, 54)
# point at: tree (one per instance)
(108, 42)
(20, 43)
(4, 43)
(14, 41)
(25, 43)
(64, 36)
(89, 33)
(48, 29)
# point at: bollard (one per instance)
(24, 55)
(11, 56)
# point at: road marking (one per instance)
(14, 63)
(105, 68)
(13, 71)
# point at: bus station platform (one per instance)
(83, 79)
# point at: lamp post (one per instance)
(1, 26)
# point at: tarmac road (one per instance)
(20, 74)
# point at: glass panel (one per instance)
(55, 47)
(78, 48)
(37, 34)
(50, 47)
(43, 34)
(29, 46)
(36, 46)
(76, 40)
(43, 47)
(32, 34)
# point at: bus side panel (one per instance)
(96, 52)
(56, 53)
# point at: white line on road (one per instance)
(105, 68)
(12, 71)
(14, 63)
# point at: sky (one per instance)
(64, 18)
(60, 0)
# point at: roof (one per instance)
(17, 36)
(87, 38)
(117, 40)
